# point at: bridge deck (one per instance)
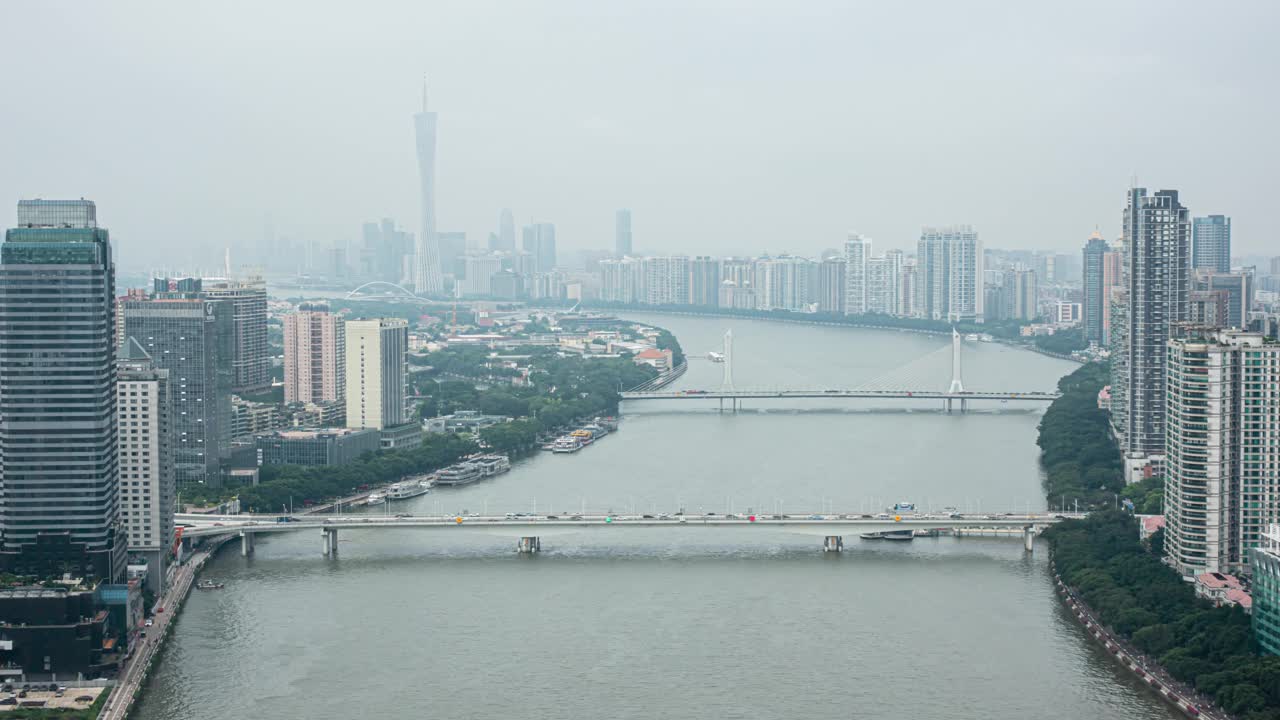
(836, 393)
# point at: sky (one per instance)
(726, 127)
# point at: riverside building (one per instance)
(147, 487)
(314, 355)
(377, 372)
(1222, 449)
(59, 512)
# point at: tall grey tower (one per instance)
(1211, 243)
(427, 276)
(1094, 292)
(622, 233)
(506, 231)
(60, 511)
(1157, 260)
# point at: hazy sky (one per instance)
(725, 127)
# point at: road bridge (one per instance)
(900, 384)
(530, 529)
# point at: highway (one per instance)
(766, 393)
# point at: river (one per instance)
(685, 623)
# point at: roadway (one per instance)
(524, 525)
(764, 393)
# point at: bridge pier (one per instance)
(330, 536)
(529, 545)
(246, 543)
(833, 543)
(1029, 538)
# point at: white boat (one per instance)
(492, 464)
(374, 499)
(971, 337)
(464, 473)
(714, 356)
(407, 489)
(566, 444)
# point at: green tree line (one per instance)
(1149, 603)
(1078, 454)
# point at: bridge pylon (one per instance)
(727, 382)
(957, 386)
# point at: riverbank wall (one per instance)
(1142, 667)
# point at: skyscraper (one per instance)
(314, 356)
(857, 249)
(1112, 278)
(622, 233)
(428, 278)
(193, 338)
(147, 486)
(506, 231)
(666, 280)
(782, 282)
(250, 355)
(540, 241)
(1223, 445)
(1156, 275)
(832, 285)
(704, 281)
(377, 372)
(1021, 295)
(1094, 295)
(949, 274)
(59, 511)
(622, 280)
(1211, 243)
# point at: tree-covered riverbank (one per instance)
(1079, 456)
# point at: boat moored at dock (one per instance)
(463, 473)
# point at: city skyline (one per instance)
(573, 160)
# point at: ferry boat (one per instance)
(584, 436)
(492, 464)
(210, 585)
(714, 356)
(410, 488)
(597, 431)
(971, 337)
(374, 499)
(464, 473)
(904, 507)
(608, 423)
(888, 535)
(566, 444)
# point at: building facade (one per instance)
(325, 446)
(857, 251)
(1095, 297)
(58, 434)
(250, 354)
(314, 355)
(1222, 449)
(949, 274)
(782, 283)
(832, 285)
(377, 372)
(540, 242)
(665, 280)
(148, 489)
(704, 281)
(1265, 560)
(192, 338)
(1021, 295)
(1157, 259)
(1211, 243)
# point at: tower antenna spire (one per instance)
(424, 92)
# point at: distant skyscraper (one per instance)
(147, 485)
(1112, 278)
(453, 251)
(832, 285)
(884, 274)
(857, 250)
(480, 270)
(622, 280)
(314, 356)
(782, 282)
(59, 509)
(251, 355)
(704, 282)
(428, 278)
(666, 280)
(506, 231)
(1095, 297)
(622, 233)
(1211, 243)
(949, 274)
(376, 372)
(1021, 295)
(1156, 274)
(540, 242)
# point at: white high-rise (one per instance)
(666, 280)
(782, 283)
(949, 274)
(376, 372)
(427, 277)
(147, 485)
(857, 251)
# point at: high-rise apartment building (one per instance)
(540, 242)
(314, 355)
(59, 511)
(1095, 297)
(193, 338)
(907, 288)
(506, 232)
(1112, 278)
(428, 276)
(622, 233)
(857, 251)
(622, 280)
(1222, 449)
(377, 372)
(782, 283)
(1157, 259)
(666, 280)
(949, 269)
(1211, 243)
(884, 274)
(480, 270)
(148, 492)
(1021, 295)
(833, 286)
(704, 281)
(1238, 289)
(250, 355)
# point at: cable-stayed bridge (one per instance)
(916, 380)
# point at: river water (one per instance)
(685, 623)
